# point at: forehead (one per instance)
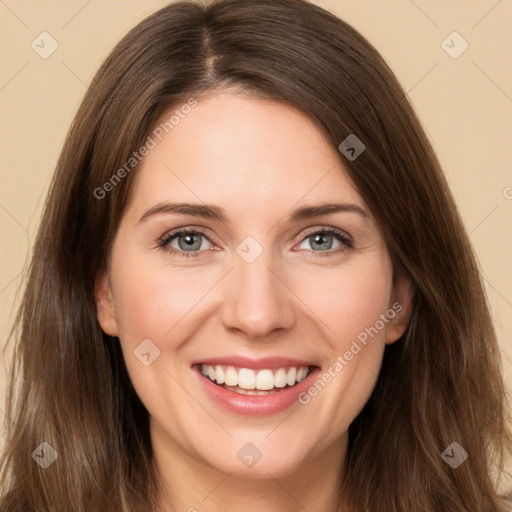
(245, 153)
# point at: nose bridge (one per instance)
(256, 301)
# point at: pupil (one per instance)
(189, 242)
(321, 240)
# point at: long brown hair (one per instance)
(439, 384)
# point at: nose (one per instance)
(258, 299)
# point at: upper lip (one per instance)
(255, 364)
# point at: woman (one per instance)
(251, 287)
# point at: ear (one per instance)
(401, 303)
(105, 310)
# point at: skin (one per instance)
(258, 160)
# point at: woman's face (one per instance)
(287, 302)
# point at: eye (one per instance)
(190, 243)
(187, 243)
(322, 240)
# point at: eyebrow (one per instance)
(214, 212)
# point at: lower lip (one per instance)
(255, 405)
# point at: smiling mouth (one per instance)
(246, 381)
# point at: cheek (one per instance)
(360, 307)
(353, 309)
(152, 300)
(154, 303)
(349, 302)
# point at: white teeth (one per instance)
(301, 374)
(264, 380)
(219, 375)
(255, 382)
(241, 391)
(280, 378)
(230, 376)
(291, 376)
(246, 379)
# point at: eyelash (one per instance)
(163, 243)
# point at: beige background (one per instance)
(465, 104)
